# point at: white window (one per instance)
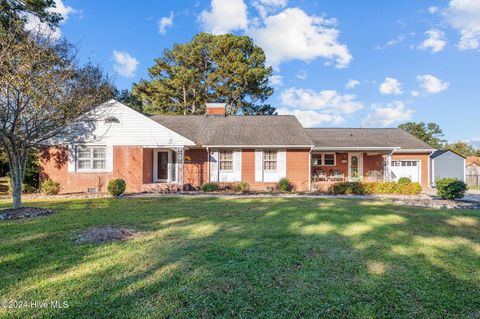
(404, 163)
(270, 160)
(324, 159)
(91, 158)
(226, 160)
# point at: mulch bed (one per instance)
(105, 234)
(24, 212)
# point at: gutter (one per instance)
(258, 146)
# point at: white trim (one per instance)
(322, 158)
(423, 151)
(108, 166)
(339, 148)
(169, 166)
(259, 146)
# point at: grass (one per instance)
(269, 258)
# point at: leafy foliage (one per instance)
(284, 184)
(129, 99)
(14, 10)
(243, 187)
(404, 180)
(430, 133)
(461, 148)
(116, 187)
(50, 187)
(211, 68)
(361, 188)
(209, 187)
(451, 188)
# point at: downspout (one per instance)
(310, 170)
(430, 169)
(389, 163)
(208, 166)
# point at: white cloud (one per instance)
(464, 16)
(415, 93)
(433, 9)
(327, 100)
(276, 80)
(164, 23)
(267, 6)
(294, 35)
(225, 16)
(387, 115)
(432, 84)
(34, 23)
(390, 86)
(392, 42)
(125, 64)
(301, 75)
(352, 83)
(435, 41)
(312, 118)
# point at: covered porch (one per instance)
(332, 166)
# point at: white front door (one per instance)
(164, 166)
(355, 165)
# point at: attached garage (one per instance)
(406, 168)
(447, 164)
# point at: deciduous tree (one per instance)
(43, 93)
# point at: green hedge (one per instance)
(284, 184)
(209, 187)
(451, 188)
(361, 188)
(116, 187)
(243, 187)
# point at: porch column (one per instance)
(387, 170)
(180, 161)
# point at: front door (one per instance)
(355, 165)
(162, 166)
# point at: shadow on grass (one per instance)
(209, 257)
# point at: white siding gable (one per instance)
(133, 129)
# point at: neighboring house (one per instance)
(446, 163)
(179, 152)
(473, 171)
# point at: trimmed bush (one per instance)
(49, 187)
(116, 187)
(348, 188)
(284, 184)
(451, 188)
(404, 180)
(243, 187)
(359, 188)
(209, 187)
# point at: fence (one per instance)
(473, 180)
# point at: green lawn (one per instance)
(269, 258)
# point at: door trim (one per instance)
(360, 164)
(169, 166)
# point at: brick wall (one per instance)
(147, 165)
(196, 172)
(127, 164)
(423, 158)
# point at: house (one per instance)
(178, 152)
(446, 163)
(473, 171)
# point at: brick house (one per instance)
(180, 152)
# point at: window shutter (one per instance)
(71, 158)
(258, 165)
(213, 158)
(282, 164)
(237, 164)
(109, 158)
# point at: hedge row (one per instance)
(362, 188)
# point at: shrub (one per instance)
(209, 187)
(116, 187)
(347, 188)
(404, 180)
(26, 188)
(243, 187)
(49, 187)
(451, 188)
(284, 184)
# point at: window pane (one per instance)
(226, 155)
(329, 159)
(270, 155)
(84, 164)
(99, 152)
(98, 164)
(226, 165)
(270, 165)
(83, 152)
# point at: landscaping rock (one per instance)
(438, 203)
(24, 212)
(106, 234)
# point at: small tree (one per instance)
(43, 93)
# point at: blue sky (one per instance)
(403, 60)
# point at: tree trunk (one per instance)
(16, 190)
(17, 159)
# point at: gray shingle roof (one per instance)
(365, 137)
(235, 130)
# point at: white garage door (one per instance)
(409, 169)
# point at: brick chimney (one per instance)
(215, 109)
